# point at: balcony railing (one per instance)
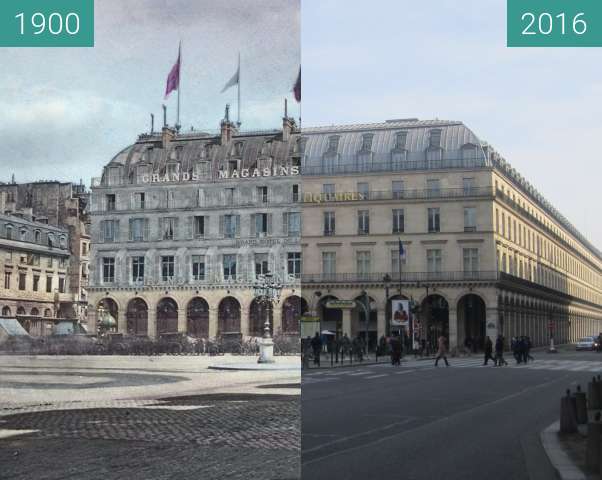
(387, 162)
(409, 277)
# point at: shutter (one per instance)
(176, 233)
(160, 236)
(132, 201)
(117, 237)
(101, 234)
(189, 228)
(237, 225)
(269, 223)
(131, 231)
(285, 223)
(221, 225)
(128, 271)
(146, 233)
(253, 229)
(207, 231)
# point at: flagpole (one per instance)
(238, 104)
(179, 86)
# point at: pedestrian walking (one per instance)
(514, 345)
(442, 351)
(316, 346)
(396, 349)
(528, 345)
(488, 346)
(499, 352)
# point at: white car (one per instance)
(587, 343)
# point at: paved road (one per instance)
(420, 422)
(105, 418)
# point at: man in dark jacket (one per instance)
(488, 351)
(316, 346)
(396, 349)
(499, 351)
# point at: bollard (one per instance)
(592, 452)
(593, 395)
(580, 406)
(568, 422)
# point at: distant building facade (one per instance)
(485, 253)
(185, 225)
(34, 260)
(64, 205)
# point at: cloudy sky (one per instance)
(447, 59)
(64, 113)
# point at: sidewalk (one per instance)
(566, 452)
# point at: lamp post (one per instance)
(267, 291)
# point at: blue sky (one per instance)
(66, 112)
(540, 108)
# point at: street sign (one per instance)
(341, 304)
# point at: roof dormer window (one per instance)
(203, 169)
(469, 151)
(435, 138)
(114, 175)
(237, 149)
(23, 233)
(400, 140)
(173, 171)
(299, 146)
(367, 142)
(266, 147)
(333, 144)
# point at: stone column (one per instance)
(213, 322)
(122, 321)
(277, 318)
(492, 327)
(381, 323)
(244, 318)
(152, 322)
(182, 324)
(347, 322)
(453, 328)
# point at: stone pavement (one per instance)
(148, 418)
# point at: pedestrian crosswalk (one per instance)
(373, 372)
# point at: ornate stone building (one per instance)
(34, 260)
(184, 225)
(485, 253)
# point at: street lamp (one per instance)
(267, 292)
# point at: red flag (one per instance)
(173, 79)
(297, 87)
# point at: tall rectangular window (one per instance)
(167, 268)
(433, 187)
(397, 189)
(109, 230)
(295, 193)
(433, 260)
(262, 194)
(168, 228)
(395, 259)
(294, 263)
(434, 221)
(22, 279)
(470, 219)
(262, 264)
(398, 220)
(230, 225)
(329, 224)
(261, 224)
(363, 222)
(199, 226)
(468, 186)
(470, 260)
(293, 225)
(229, 264)
(139, 201)
(328, 189)
(138, 269)
(198, 267)
(329, 263)
(229, 196)
(61, 284)
(137, 227)
(36, 283)
(363, 261)
(7, 280)
(48, 284)
(110, 199)
(108, 270)
(363, 189)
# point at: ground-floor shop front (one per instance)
(209, 313)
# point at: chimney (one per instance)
(168, 135)
(288, 124)
(228, 128)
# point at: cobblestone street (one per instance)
(250, 429)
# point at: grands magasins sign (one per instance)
(222, 175)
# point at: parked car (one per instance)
(587, 343)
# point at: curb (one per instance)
(565, 468)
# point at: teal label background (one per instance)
(592, 10)
(10, 27)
